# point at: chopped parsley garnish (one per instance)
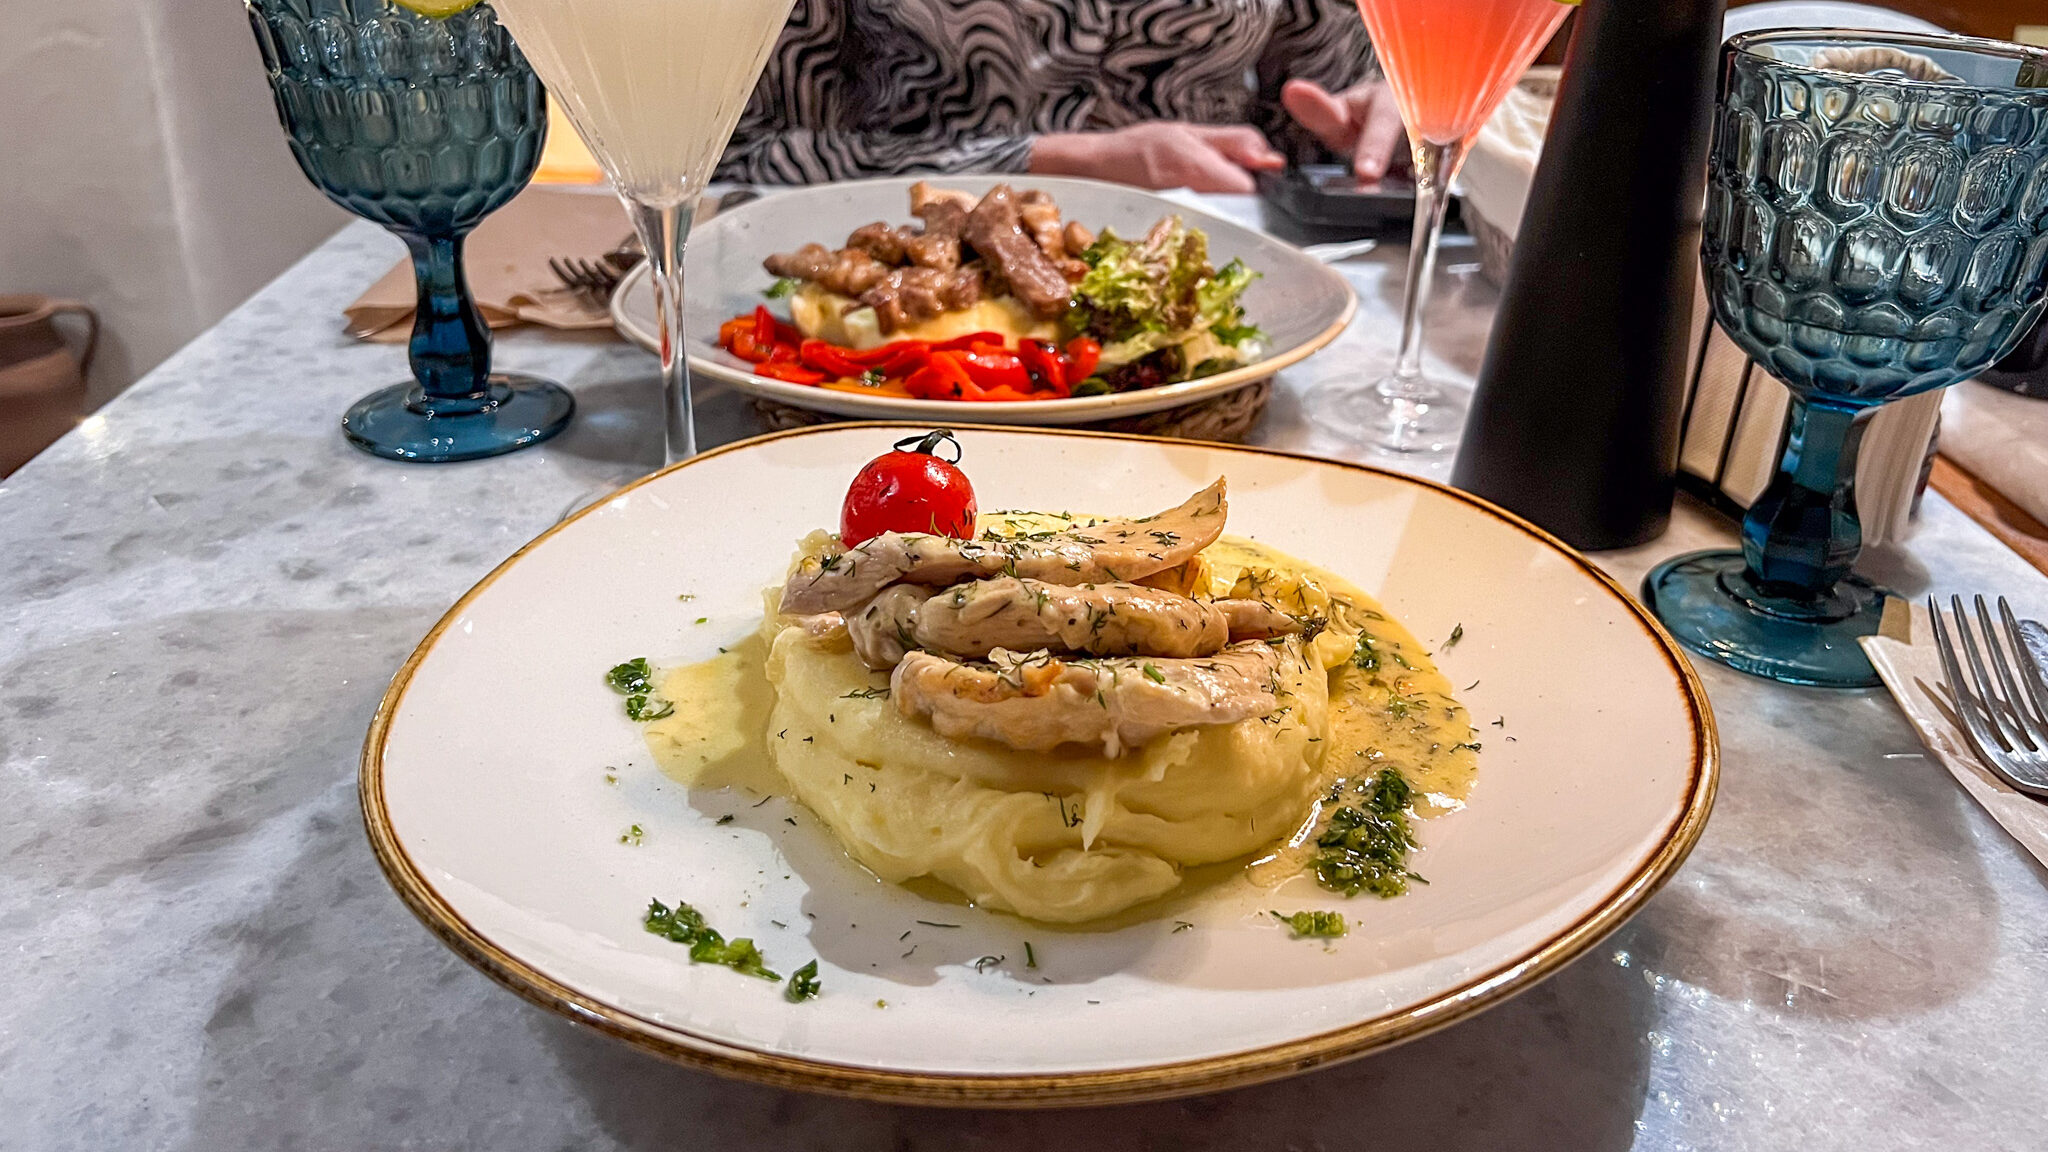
(632, 835)
(635, 681)
(1030, 956)
(784, 286)
(866, 694)
(1326, 925)
(642, 709)
(803, 984)
(1153, 674)
(631, 678)
(1364, 845)
(685, 925)
(1365, 656)
(1457, 634)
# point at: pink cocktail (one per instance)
(1449, 63)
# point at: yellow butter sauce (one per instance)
(716, 737)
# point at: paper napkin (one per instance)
(1912, 671)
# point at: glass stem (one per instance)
(1435, 166)
(1801, 536)
(451, 344)
(664, 229)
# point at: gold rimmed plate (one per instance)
(500, 776)
(1300, 303)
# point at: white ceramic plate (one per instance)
(483, 789)
(1300, 302)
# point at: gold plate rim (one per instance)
(1115, 1086)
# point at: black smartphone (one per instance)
(1328, 199)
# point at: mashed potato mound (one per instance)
(821, 314)
(1068, 836)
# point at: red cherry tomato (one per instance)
(910, 489)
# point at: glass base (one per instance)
(400, 423)
(1710, 605)
(1391, 423)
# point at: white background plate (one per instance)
(1299, 302)
(483, 787)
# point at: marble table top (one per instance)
(204, 590)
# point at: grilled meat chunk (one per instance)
(996, 230)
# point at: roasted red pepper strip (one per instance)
(744, 347)
(793, 373)
(962, 343)
(994, 368)
(884, 353)
(1083, 355)
(1043, 364)
(942, 378)
(1008, 394)
(830, 359)
(764, 326)
(905, 362)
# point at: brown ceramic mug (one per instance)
(42, 381)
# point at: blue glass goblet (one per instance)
(1876, 227)
(425, 126)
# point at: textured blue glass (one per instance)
(1876, 226)
(425, 126)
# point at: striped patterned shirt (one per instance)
(881, 87)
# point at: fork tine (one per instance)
(1968, 707)
(2025, 772)
(564, 273)
(601, 279)
(2016, 714)
(1980, 682)
(2031, 674)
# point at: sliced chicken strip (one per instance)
(884, 631)
(1109, 551)
(1258, 620)
(1037, 702)
(976, 618)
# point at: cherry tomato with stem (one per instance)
(912, 489)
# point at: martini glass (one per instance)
(425, 126)
(1450, 63)
(654, 87)
(1876, 227)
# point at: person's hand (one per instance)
(1161, 154)
(1361, 122)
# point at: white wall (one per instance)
(142, 169)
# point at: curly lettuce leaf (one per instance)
(1140, 297)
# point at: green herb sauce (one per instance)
(1364, 843)
(1324, 925)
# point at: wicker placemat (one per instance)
(1223, 419)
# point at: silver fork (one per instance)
(594, 282)
(2004, 714)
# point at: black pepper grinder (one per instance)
(1575, 419)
